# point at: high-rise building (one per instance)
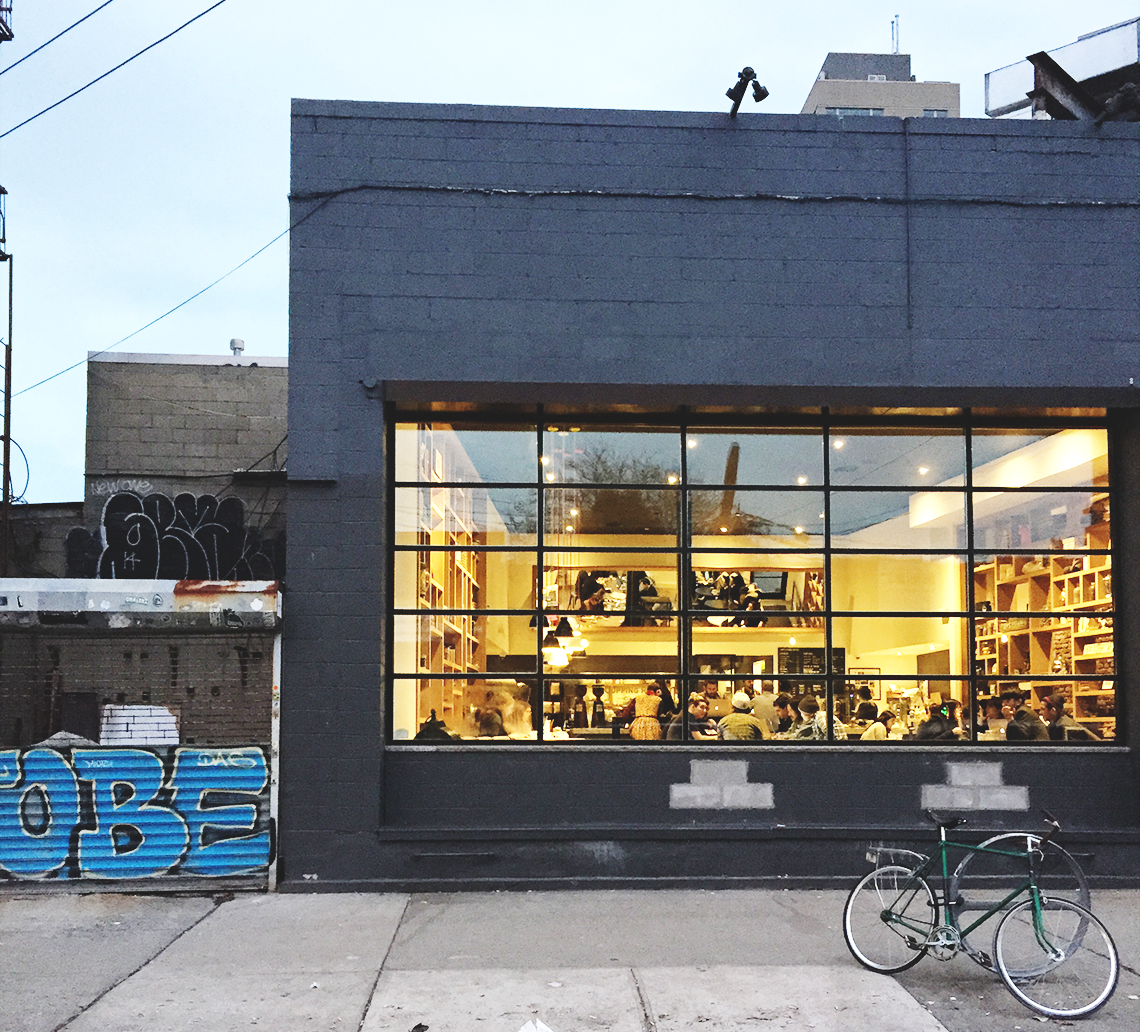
(878, 84)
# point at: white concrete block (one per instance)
(947, 797)
(749, 797)
(695, 797)
(1006, 797)
(977, 772)
(718, 772)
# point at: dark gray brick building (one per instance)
(881, 371)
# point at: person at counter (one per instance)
(866, 709)
(740, 725)
(788, 712)
(1024, 725)
(1062, 727)
(701, 729)
(880, 728)
(813, 726)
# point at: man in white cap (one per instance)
(740, 725)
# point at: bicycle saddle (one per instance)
(944, 822)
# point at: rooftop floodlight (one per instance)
(736, 93)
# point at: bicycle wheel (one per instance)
(982, 880)
(1066, 968)
(888, 919)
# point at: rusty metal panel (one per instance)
(130, 813)
(140, 604)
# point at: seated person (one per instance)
(701, 729)
(939, 725)
(880, 728)
(814, 723)
(867, 709)
(788, 713)
(740, 725)
(590, 590)
(991, 715)
(1062, 727)
(1024, 725)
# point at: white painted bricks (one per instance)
(975, 785)
(720, 785)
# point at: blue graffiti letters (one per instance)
(134, 837)
(39, 805)
(219, 831)
(133, 813)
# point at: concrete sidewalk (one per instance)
(626, 961)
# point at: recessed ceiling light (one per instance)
(840, 443)
(801, 480)
(923, 470)
(692, 442)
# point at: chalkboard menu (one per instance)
(808, 661)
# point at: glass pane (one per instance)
(926, 520)
(1054, 646)
(606, 651)
(440, 710)
(594, 455)
(749, 590)
(466, 515)
(443, 643)
(902, 458)
(934, 709)
(757, 519)
(609, 709)
(634, 589)
(904, 646)
(915, 583)
(730, 457)
(444, 452)
(594, 517)
(1040, 458)
(1059, 583)
(1081, 711)
(464, 580)
(1049, 520)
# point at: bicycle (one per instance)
(1051, 951)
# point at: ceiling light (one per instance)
(801, 480)
(550, 478)
(692, 442)
(672, 478)
(569, 528)
(724, 530)
(839, 443)
(791, 641)
(545, 460)
(550, 642)
(573, 512)
(799, 530)
(923, 470)
(563, 630)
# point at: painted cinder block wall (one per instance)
(507, 255)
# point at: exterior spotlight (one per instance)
(736, 93)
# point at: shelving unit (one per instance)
(1051, 615)
(447, 643)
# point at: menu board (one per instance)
(812, 661)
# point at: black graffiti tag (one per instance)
(187, 538)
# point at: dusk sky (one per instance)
(134, 195)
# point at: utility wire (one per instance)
(115, 69)
(54, 38)
(95, 354)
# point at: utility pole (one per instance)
(6, 512)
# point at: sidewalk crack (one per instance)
(383, 961)
(219, 900)
(647, 1022)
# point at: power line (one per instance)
(54, 38)
(76, 365)
(115, 69)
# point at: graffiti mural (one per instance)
(189, 537)
(133, 813)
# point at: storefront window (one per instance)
(623, 583)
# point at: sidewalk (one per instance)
(622, 961)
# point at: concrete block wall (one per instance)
(514, 256)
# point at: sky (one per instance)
(142, 190)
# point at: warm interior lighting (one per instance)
(799, 530)
(801, 480)
(557, 658)
(564, 630)
(550, 643)
(724, 530)
(545, 460)
(573, 512)
(1004, 638)
(550, 478)
(923, 470)
(672, 478)
(692, 442)
(791, 641)
(839, 444)
(569, 528)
